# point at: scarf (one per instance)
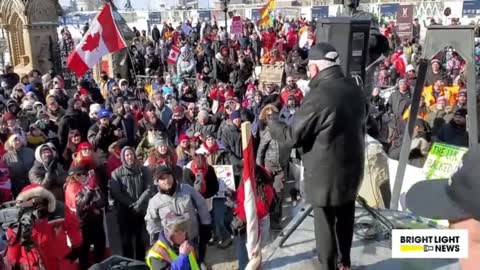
(212, 149)
(203, 172)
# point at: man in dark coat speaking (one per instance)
(329, 129)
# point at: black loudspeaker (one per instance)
(350, 37)
(119, 263)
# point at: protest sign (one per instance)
(237, 25)
(405, 22)
(443, 160)
(225, 177)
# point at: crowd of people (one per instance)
(147, 150)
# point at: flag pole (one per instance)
(253, 246)
(113, 7)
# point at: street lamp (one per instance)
(225, 10)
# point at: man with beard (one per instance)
(124, 121)
(74, 118)
(291, 90)
(150, 121)
(131, 188)
(183, 199)
(455, 132)
(103, 133)
(47, 172)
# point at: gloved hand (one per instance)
(92, 183)
(74, 254)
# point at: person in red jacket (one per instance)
(50, 229)
(292, 39)
(268, 40)
(265, 199)
(291, 90)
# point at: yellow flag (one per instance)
(265, 11)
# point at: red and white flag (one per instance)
(101, 39)
(249, 204)
(173, 56)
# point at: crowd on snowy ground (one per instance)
(151, 146)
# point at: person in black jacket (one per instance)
(156, 36)
(74, 119)
(103, 133)
(131, 189)
(329, 129)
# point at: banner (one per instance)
(471, 8)
(237, 25)
(155, 17)
(389, 10)
(319, 12)
(204, 15)
(405, 22)
(443, 160)
(255, 15)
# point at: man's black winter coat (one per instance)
(329, 129)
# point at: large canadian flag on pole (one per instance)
(101, 39)
(253, 230)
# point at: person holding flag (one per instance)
(255, 195)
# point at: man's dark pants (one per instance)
(334, 233)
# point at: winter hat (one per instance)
(224, 48)
(178, 109)
(410, 68)
(94, 109)
(161, 171)
(183, 137)
(41, 114)
(36, 190)
(50, 99)
(161, 142)
(461, 112)
(434, 60)
(402, 81)
(462, 93)
(122, 154)
(83, 145)
(83, 91)
(235, 115)
(103, 114)
(208, 134)
(12, 102)
(323, 51)
(122, 82)
(177, 221)
(9, 116)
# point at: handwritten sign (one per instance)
(225, 179)
(237, 25)
(442, 160)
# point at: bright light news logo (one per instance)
(429, 244)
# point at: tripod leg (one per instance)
(306, 213)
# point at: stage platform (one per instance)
(298, 251)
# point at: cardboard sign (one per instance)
(226, 180)
(272, 73)
(405, 22)
(237, 25)
(443, 160)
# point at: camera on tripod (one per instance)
(21, 216)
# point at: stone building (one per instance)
(31, 33)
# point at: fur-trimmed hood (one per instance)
(35, 190)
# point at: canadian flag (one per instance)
(101, 39)
(173, 56)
